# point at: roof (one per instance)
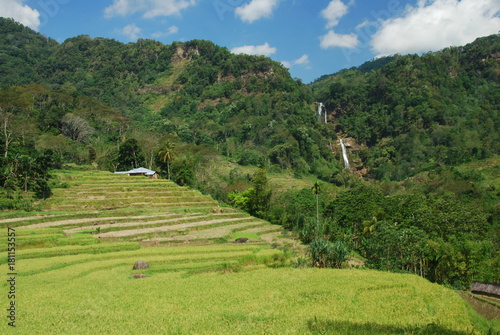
(140, 170)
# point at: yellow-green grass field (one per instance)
(73, 271)
(93, 298)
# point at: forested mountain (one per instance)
(247, 107)
(423, 131)
(419, 112)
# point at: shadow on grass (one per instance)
(347, 328)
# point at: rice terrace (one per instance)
(73, 271)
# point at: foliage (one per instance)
(166, 156)
(392, 248)
(419, 112)
(325, 254)
(76, 128)
(23, 175)
(255, 200)
(130, 155)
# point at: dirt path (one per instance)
(28, 218)
(206, 233)
(131, 232)
(78, 221)
(136, 223)
(262, 229)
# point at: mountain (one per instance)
(403, 114)
(418, 112)
(247, 107)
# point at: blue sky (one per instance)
(310, 37)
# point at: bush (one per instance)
(326, 254)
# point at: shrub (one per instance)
(328, 254)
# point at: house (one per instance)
(489, 289)
(141, 172)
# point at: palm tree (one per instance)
(317, 189)
(167, 155)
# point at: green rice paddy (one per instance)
(74, 259)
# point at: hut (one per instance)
(141, 172)
(489, 289)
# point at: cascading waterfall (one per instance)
(344, 154)
(322, 110)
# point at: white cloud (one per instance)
(21, 13)
(131, 31)
(334, 12)
(301, 61)
(332, 39)
(436, 24)
(264, 50)
(149, 8)
(256, 9)
(170, 31)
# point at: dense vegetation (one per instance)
(419, 112)
(424, 194)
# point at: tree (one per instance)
(13, 100)
(76, 128)
(167, 155)
(59, 144)
(259, 202)
(130, 155)
(150, 143)
(316, 190)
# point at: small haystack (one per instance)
(140, 265)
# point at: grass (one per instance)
(246, 235)
(71, 282)
(272, 301)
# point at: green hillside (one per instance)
(416, 113)
(248, 108)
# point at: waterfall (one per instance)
(321, 109)
(344, 154)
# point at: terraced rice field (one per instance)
(74, 275)
(115, 207)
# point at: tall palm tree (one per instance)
(317, 189)
(167, 155)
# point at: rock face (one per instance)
(140, 265)
(139, 275)
(241, 240)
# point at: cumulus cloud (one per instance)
(149, 8)
(332, 39)
(334, 12)
(131, 31)
(301, 61)
(435, 24)
(256, 9)
(21, 13)
(264, 50)
(170, 31)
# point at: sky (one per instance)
(310, 37)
